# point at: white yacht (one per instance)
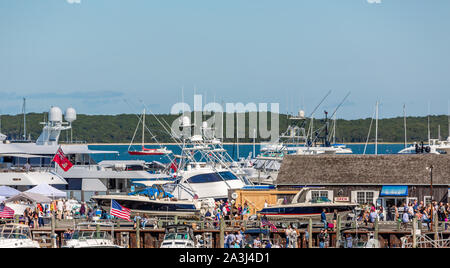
(85, 178)
(435, 146)
(205, 169)
(16, 236)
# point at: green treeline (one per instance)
(120, 128)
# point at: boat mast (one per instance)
(448, 114)
(404, 123)
(237, 135)
(143, 126)
(24, 120)
(376, 130)
(254, 142)
(429, 132)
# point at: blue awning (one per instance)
(394, 190)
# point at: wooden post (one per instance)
(414, 231)
(138, 233)
(310, 240)
(338, 230)
(53, 227)
(97, 230)
(375, 235)
(436, 227)
(222, 233)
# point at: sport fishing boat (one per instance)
(16, 236)
(143, 150)
(302, 208)
(84, 237)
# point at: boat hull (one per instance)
(151, 207)
(310, 211)
(145, 153)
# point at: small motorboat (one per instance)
(302, 208)
(16, 236)
(85, 237)
(178, 236)
(151, 151)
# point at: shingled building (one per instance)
(379, 179)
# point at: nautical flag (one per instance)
(265, 222)
(6, 212)
(62, 160)
(119, 211)
(173, 165)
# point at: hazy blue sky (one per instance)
(96, 54)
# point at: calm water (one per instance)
(244, 151)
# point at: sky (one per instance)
(113, 56)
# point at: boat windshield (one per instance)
(15, 232)
(177, 236)
(321, 199)
(90, 235)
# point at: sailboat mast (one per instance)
(376, 131)
(237, 135)
(143, 126)
(24, 120)
(404, 123)
(429, 132)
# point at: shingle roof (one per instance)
(364, 169)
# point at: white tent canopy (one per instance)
(29, 197)
(7, 191)
(47, 190)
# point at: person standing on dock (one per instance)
(323, 219)
(321, 238)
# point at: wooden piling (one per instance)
(222, 233)
(53, 227)
(414, 232)
(338, 231)
(310, 240)
(138, 233)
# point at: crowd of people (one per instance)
(406, 212)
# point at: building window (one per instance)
(427, 200)
(364, 197)
(316, 195)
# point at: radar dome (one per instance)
(186, 121)
(301, 113)
(71, 115)
(55, 114)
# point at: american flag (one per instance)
(119, 211)
(265, 222)
(6, 212)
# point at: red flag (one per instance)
(62, 160)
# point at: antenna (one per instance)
(24, 120)
(429, 132)
(376, 130)
(404, 123)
